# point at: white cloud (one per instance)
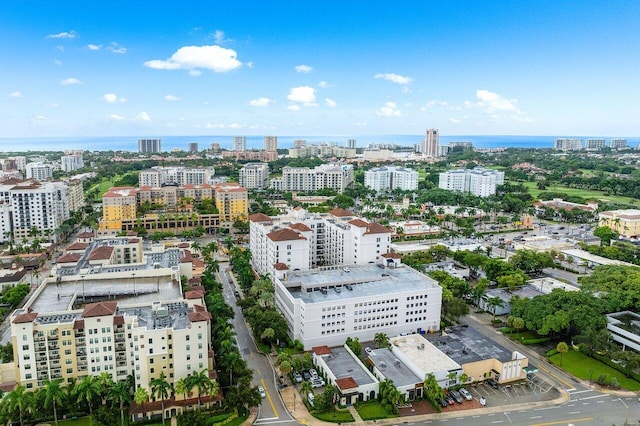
(361, 124)
(112, 98)
(143, 117)
(455, 120)
(16, 94)
(396, 78)
(324, 84)
(220, 38)
(330, 103)
(492, 102)
(52, 106)
(172, 98)
(390, 109)
(237, 126)
(94, 46)
(249, 64)
(70, 81)
(293, 107)
(304, 94)
(213, 126)
(214, 58)
(115, 117)
(305, 69)
(260, 102)
(116, 48)
(57, 62)
(64, 34)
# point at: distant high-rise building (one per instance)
(270, 143)
(388, 178)
(618, 143)
(148, 146)
(594, 144)
(39, 171)
(215, 147)
(430, 144)
(299, 143)
(478, 181)
(351, 143)
(254, 176)
(567, 144)
(71, 162)
(193, 146)
(239, 143)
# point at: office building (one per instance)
(270, 143)
(594, 144)
(232, 202)
(618, 143)
(193, 146)
(430, 144)
(334, 176)
(71, 162)
(254, 176)
(303, 240)
(239, 143)
(567, 144)
(388, 178)
(328, 305)
(149, 146)
(39, 171)
(478, 181)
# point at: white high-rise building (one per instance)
(351, 143)
(567, 144)
(333, 176)
(39, 171)
(299, 143)
(388, 178)
(239, 143)
(254, 176)
(430, 144)
(479, 181)
(618, 143)
(43, 206)
(270, 143)
(158, 176)
(149, 146)
(594, 144)
(72, 162)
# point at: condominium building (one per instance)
(118, 204)
(239, 143)
(39, 171)
(430, 144)
(478, 181)
(328, 305)
(333, 176)
(158, 176)
(618, 143)
(43, 206)
(270, 143)
(302, 240)
(149, 146)
(388, 178)
(299, 143)
(232, 201)
(193, 147)
(70, 163)
(351, 144)
(254, 176)
(322, 150)
(377, 154)
(625, 222)
(75, 194)
(567, 144)
(594, 144)
(253, 155)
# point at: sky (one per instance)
(142, 68)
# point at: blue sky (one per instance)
(138, 68)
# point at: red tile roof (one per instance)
(259, 217)
(376, 228)
(118, 320)
(321, 350)
(86, 234)
(392, 255)
(339, 212)
(99, 309)
(194, 294)
(346, 383)
(300, 227)
(78, 324)
(69, 258)
(25, 318)
(285, 234)
(199, 316)
(359, 223)
(152, 406)
(280, 266)
(101, 253)
(78, 246)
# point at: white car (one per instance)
(465, 394)
(263, 394)
(483, 401)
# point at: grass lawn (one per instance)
(336, 416)
(580, 365)
(585, 193)
(372, 411)
(85, 421)
(237, 421)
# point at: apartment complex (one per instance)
(301, 240)
(595, 144)
(388, 178)
(253, 155)
(39, 171)
(625, 222)
(158, 176)
(618, 143)
(149, 146)
(377, 154)
(118, 203)
(254, 176)
(270, 143)
(232, 201)
(239, 143)
(567, 144)
(430, 144)
(322, 150)
(478, 181)
(332, 176)
(71, 162)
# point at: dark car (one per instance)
(449, 399)
(456, 395)
(306, 375)
(492, 383)
(442, 402)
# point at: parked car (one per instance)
(317, 383)
(313, 373)
(465, 393)
(297, 377)
(449, 399)
(306, 375)
(311, 397)
(442, 402)
(456, 395)
(263, 394)
(492, 383)
(483, 401)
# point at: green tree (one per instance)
(141, 396)
(605, 234)
(562, 349)
(518, 324)
(120, 393)
(162, 389)
(432, 390)
(305, 389)
(493, 303)
(19, 401)
(381, 340)
(54, 395)
(88, 390)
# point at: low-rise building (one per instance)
(625, 222)
(624, 328)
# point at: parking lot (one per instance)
(532, 390)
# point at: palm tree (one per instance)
(160, 387)
(381, 339)
(493, 303)
(202, 382)
(562, 348)
(87, 390)
(19, 400)
(182, 387)
(120, 393)
(306, 389)
(53, 395)
(141, 397)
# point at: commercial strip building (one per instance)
(625, 222)
(388, 178)
(478, 181)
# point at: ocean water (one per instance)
(130, 143)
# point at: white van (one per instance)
(311, 397)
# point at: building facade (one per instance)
(270, 143)
(70, 163)
(254, 176)
(39, 171)
(118, 204)
(478, 181)
(149, 146)
(232, 202)
(388, 178)
(618, 143)
(431, 143)
(567, 144)
(332, 176)
(239, 143)
(625, 222)
(594, 144)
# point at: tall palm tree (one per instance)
(160, 387)
(202, 382)
(53, 395)
(182, 387)
(87, 390)
(19, 399)
(120, 393)
(381, 339)
(141, 396)
(493, 303)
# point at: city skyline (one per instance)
(316, 68)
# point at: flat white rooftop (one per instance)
(424, 354)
